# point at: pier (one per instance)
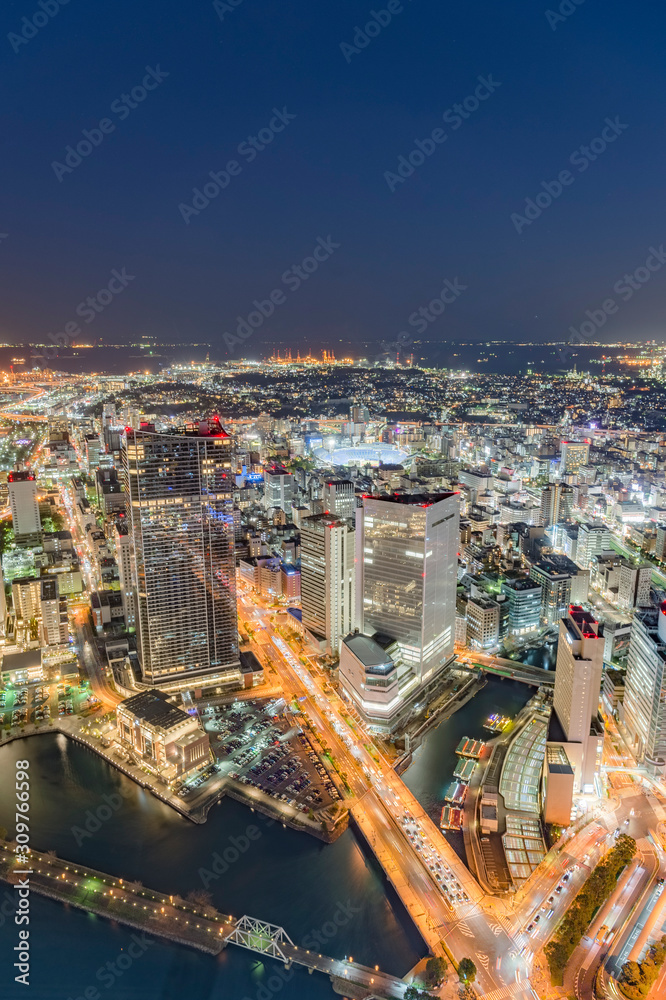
(180, 921)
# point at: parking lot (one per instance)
(254, 743)
(42, 702)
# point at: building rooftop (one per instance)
(155, 708)
(412, 499)
(367, 650)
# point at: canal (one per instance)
(333, 894)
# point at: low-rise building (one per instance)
(161, 735)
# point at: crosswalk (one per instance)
(513, 990)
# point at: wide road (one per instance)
(471, 928)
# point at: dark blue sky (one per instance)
(324, 173)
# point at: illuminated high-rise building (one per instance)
(27, 525)
(644, 709)
(406, 567)
(580, 659)
(574, 455)
(180, 521)
(327, 579)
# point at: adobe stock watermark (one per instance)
(95, 818)
(422, 317)
(122, 107)
(581, 158)
(316, 940)
(249, 149)
(224, 7)
(377, 21)
(30, 26)
(88, 309)
(455, 117)
(292, 279)
(221, 862)
(625, 288)
(563, 12)
(108, 974)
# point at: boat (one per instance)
(456, 793)
(496, 723)
(465, 770)
(470, 748)
(451, 818)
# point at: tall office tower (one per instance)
(327, 579)
(634, 587)
(556, 503)
(593, 538)
(660, 543)
(580, 660)
(23, 504)
(93, 452)
(55, 629)
(338, 498)
(278, 488)
(483, 623)
(574, 455)
(645, 687)
(359, 414)
(524, 598)
(109, 422)
(123, 543)
(406, 566)
(555, 590)
(179, 514)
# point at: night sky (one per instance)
(220, 76)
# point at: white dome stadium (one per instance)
(387, 454)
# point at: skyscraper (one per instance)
(123, 542)
(574, 454)
(406, 565)
(524, 605)
(580, 658)
(327, 578)
(593, 538)
(339, 498)
(644, 711)
(556, 503)
(634, 586)
(555, 589)
(55, 629)
(279, 489)
(22, 487)
(180, 520)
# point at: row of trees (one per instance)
(637, 978)
(596, 890)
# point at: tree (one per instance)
(466, 970)
(200, 897)
(436, 969)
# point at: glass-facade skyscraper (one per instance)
(180, 521)
(644, 706)
(407, 560)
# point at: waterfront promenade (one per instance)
(198, 807)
